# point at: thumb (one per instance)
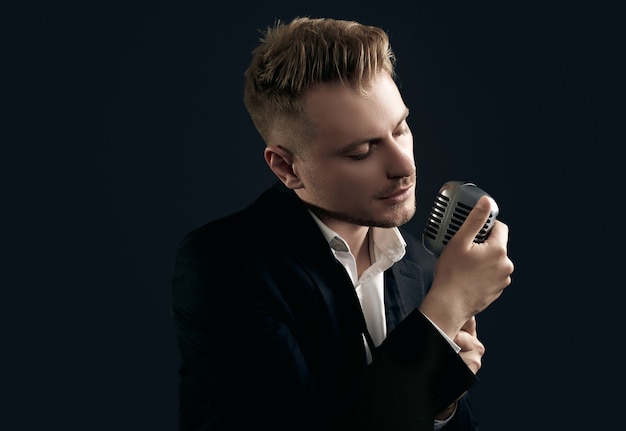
(475, 221)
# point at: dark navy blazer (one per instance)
(270, 332)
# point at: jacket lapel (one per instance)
(405, 289)
(310, 249)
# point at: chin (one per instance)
(397, 218)
(391, 217)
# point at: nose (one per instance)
(401, 162)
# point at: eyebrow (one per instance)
(353, 145)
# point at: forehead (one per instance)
(339, 114)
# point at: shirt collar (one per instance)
(387, 241)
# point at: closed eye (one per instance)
(362, 155)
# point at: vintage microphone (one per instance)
(452, 205)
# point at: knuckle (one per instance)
(481, 349)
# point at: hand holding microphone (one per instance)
(473, 268)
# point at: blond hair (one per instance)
(294, 57)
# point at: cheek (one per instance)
(344, 185)
(359, 183)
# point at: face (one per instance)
(359, 168)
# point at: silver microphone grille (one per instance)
(452, 205)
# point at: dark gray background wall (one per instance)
(123, 128)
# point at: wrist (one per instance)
(444, 313)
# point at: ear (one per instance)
(280, 161)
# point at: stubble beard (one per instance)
(402, 215)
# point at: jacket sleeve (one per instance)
(463, 419)
(415, 374)
(241, 368)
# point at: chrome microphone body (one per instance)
(452, 205)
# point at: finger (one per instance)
(470, 326)
(467, 342)
(464, 340)
(499, 233)
(475, 221)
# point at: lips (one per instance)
(400, 193)
(396, 194)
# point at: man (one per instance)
(310, 308)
